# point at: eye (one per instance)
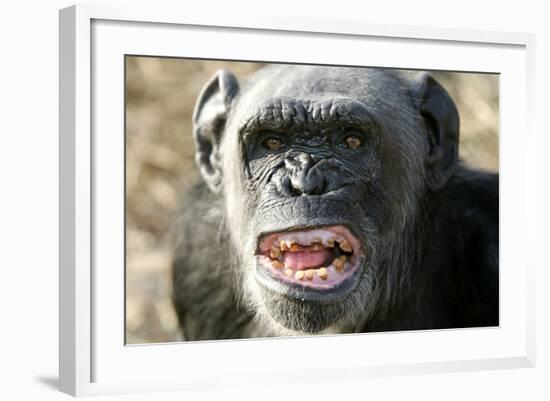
(353, 142)
(273, 144)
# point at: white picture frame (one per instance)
(93, 357)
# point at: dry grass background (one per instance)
(160, 96)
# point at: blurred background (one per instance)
(160, 96)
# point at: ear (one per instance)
(442, 128)
(209, 117)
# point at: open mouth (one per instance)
(320, 259)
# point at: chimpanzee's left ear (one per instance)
(442, 128)
(211, 110)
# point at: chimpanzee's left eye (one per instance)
(273, 144)
(352, 142)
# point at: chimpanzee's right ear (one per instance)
(209, 119)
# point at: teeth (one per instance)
(299, 275)
(322, 273)
(345, 246)
(288, 272)
(317, 246)
(309, 274)
(274, 253)
(339, 263)
(277, 265)
(295, 248)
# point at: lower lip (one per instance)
(316, 291)
(332, 280)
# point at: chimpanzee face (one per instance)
(322, 170)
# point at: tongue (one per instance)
(306, 259)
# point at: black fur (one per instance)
(429, 225)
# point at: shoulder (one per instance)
(473, 201)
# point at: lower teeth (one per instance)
(338, 264)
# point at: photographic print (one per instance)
(267, 200)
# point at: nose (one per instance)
(305, 176)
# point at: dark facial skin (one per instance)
(302, 148)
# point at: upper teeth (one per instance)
(295, 248)
(317, 246)
(294, 241)
(345, 246)
(274, 252)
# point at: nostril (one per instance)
(287, 188)
(295, 191)
(319, 189)
(314, 181)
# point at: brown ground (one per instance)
(160, 95)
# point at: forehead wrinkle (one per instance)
(290, 113)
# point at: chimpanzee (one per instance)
(332, 201)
